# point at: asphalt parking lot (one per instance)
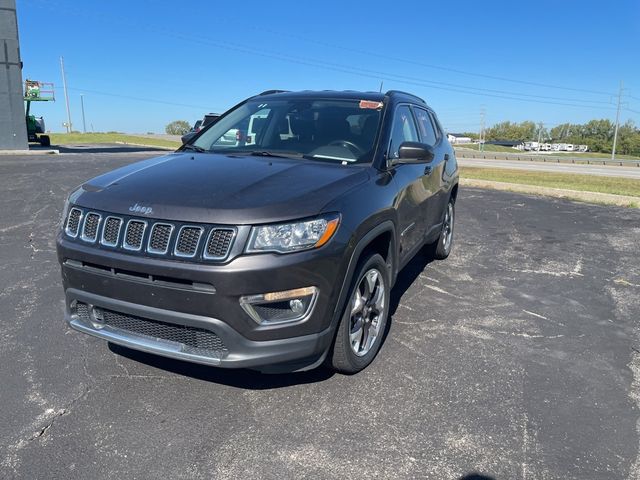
(517, 358)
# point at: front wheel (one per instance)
(445, 242)
(364, 320)
(45, 141)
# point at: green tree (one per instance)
(512, 131)
(177, 127)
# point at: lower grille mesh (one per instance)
(194, 340)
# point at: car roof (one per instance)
(340, 95)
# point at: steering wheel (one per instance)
(350, 145)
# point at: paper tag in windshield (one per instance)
(370, 104)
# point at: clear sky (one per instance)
(141, 63)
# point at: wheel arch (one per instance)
(380, 239)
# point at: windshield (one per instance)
(330, 130)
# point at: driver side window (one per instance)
(404, 130)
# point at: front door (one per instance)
(409, 182)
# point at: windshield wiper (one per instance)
(266, 153)
(189, 146)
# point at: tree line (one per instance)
(597, 134)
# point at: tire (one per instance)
(45, 141)
(445, 241)
(352, 351)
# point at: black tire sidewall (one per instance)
(344, 358)
(440, 252)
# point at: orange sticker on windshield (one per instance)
(370, 104)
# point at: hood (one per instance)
(212, 188)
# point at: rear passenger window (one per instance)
(427, 132)
(404, 130)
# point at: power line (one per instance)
(141, 99)
(581, 103)
(261, 29)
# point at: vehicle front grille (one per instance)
(197, 341)
(219, 242)
(137, 236)
(134, 234)
(111, 231)
(188, 241)
(159, 238)
(73, 222)
(90, 228)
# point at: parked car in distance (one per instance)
(277, 251)
(199, 125)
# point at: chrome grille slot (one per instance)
(134, 234)
(90, 227)
(188, 240)
(159, 238)
(111, 231)
(73, 222)
(219, 243)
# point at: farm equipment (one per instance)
(37, 92)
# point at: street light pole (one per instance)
(84, 124)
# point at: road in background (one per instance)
(602, 170)
(516, 357)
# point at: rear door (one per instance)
(432, 178)
(409, 182)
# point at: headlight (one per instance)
(293, 237)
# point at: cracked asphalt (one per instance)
(516, 358)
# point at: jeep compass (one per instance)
(270, 240)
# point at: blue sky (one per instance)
(178, 60)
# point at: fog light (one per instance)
(296, 305)
(280, 307)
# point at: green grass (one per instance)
(585, 183)
(91, 138)
(487, 148)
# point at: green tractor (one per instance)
(35, 92)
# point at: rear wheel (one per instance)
(364, 318)
(445, 242)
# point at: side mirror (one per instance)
(187, 137)
(414, 152)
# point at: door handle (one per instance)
(428, 169)
(446, 157)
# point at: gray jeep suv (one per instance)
(271, 240)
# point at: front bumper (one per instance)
(239, 352)
(206, 297)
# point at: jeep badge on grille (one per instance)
(140, 209)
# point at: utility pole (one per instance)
(540, 127)
(615, 134)
(482, 129)
(84, 124)
(66, 95)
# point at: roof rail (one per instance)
(269, 92)
(391, 92)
